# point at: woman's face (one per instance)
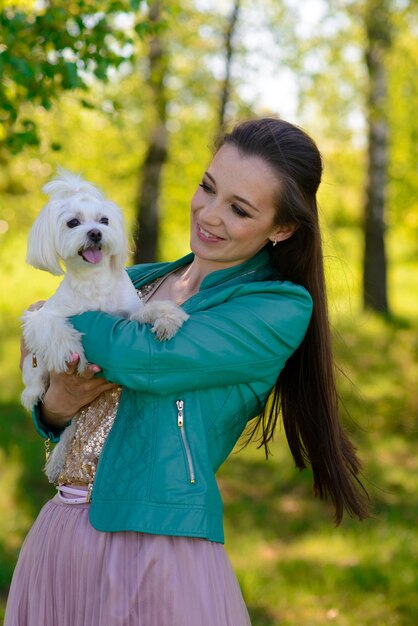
(232, 211)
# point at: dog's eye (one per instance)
(73, 223)
(104, 220)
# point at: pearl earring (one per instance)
(274, 242)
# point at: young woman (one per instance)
(134, 537)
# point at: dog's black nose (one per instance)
(94, 235)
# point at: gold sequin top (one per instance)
(93, 426)
(94, 422)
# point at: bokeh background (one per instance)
(131, 94)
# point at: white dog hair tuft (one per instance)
(67, 184)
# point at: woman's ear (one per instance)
(283, 232)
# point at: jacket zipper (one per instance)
(180, 424)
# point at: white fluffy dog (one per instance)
(83, 230)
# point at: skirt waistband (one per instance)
(72, 495)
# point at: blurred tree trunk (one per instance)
(146, 231)
(378, 29)
(229, 51)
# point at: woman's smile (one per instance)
(205, 235)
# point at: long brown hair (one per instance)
(305, 391)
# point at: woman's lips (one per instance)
(205, 235)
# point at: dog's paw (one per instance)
(164, 330)
(82, 363)
(165, 316)
(166, 326)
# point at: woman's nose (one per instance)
(212, 212)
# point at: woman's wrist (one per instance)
(51, 419)
(50, 416)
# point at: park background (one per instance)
(128, 92)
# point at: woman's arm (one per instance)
(67, 393)
(249, 337)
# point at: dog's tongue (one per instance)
(92, 255)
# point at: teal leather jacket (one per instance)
(186, 401)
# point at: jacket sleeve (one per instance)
(47, 432)
(244, 339)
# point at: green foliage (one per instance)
(50, 48)
(333, 87)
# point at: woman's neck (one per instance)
(186, 281)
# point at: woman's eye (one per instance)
(206, 187)
(73, 223)
(104, 220)
(237, 209)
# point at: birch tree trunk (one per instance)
(147, 227)
(229, 50)
(375, 264)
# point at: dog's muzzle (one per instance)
(94, 235)
(92, 253)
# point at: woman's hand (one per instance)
(69, 391)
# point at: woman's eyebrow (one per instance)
(210, 177)
(235, 196)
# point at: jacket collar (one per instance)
(256, 268)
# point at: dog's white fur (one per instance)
(78, 220)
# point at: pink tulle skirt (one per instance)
(69, 574)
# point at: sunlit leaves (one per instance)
(48, 49)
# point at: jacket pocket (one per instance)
(184, 441)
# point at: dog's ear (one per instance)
(42, 251)
(119, 237)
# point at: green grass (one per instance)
(294, 567)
